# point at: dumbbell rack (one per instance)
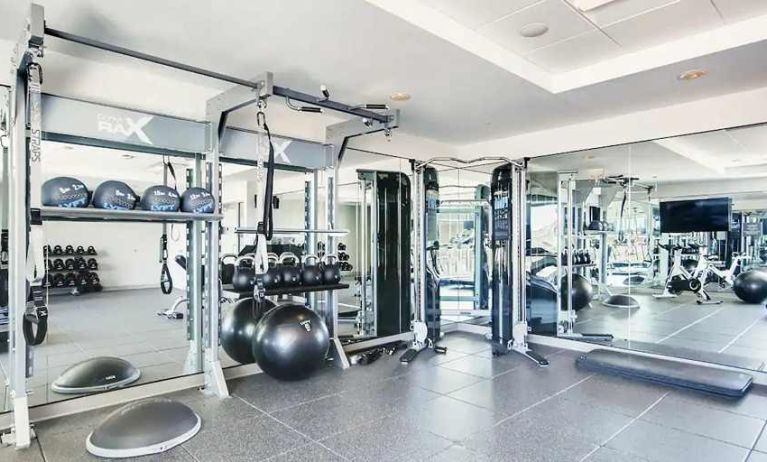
(67, 289)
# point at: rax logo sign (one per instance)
(279, 151)
(126, 126)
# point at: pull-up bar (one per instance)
(276, 90)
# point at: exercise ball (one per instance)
(238, 327)
(65, 191)
(197, 200)
(581, 293)
(160, 198)
(291, 342)
(751, 286)
(114, 195)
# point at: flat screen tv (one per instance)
(698, 215)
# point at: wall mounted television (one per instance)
(697, 215)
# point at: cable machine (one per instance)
(74, 121)
(507, 231)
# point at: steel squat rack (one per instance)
(33, 116)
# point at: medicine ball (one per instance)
(65, 191)
(751, 286)
(160, 198)
(114, 195)
(197, 200)
(239, 326)
(582, 292)
(291, 342)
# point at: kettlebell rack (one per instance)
(207, 143)
(70, 272)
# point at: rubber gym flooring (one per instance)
(732, 333)
(463, 406)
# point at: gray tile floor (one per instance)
(119, 323)
(463, 406)
(733, 328)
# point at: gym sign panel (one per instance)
(80, 122)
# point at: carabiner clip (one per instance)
(260, 118)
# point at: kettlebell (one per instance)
(310, 273)
(331, 272)
(69, 250)
(91, 250)
(272, 279)
(80, 250)
(57, 250)
(227, 269)
(244, 277)
(291, 274)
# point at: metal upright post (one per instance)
(331, 298)
(214, 374)
(23, 159)
(310, 221)
(194, 266)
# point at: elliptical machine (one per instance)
(680, 280)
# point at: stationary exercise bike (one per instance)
(680, 280)
(706, 270)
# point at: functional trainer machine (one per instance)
(507, 234)
(206, 142)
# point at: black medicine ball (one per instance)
(64, 191)
(197, 200)
(114, 195)
(160, 199)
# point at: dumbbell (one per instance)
(70, 280)
(343, 256)
(57, 280)
(91, 250)
(69, 250)
(341, 246)
(57, 250)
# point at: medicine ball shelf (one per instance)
(92, 214)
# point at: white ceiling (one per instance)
(576, 38)
(364, 52)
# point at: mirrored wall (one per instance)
(656, 246)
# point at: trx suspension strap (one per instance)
(266, 227)
(36, 313)
(166, 281)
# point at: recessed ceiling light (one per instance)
(534, 29)
(589, 157)
(68, 147)
(399, 96)
(588, 5)
(691, 74)
(128, 156)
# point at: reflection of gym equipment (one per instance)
(462, 260)
(680, 280)
(383, 248)
(706, 270)
(96, 374)
(751, 286)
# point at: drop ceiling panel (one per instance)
(738, 10)
(620, 10)
(660, 25)
(473, 13)
(562, 20)
(753, 140)
(578, 51)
